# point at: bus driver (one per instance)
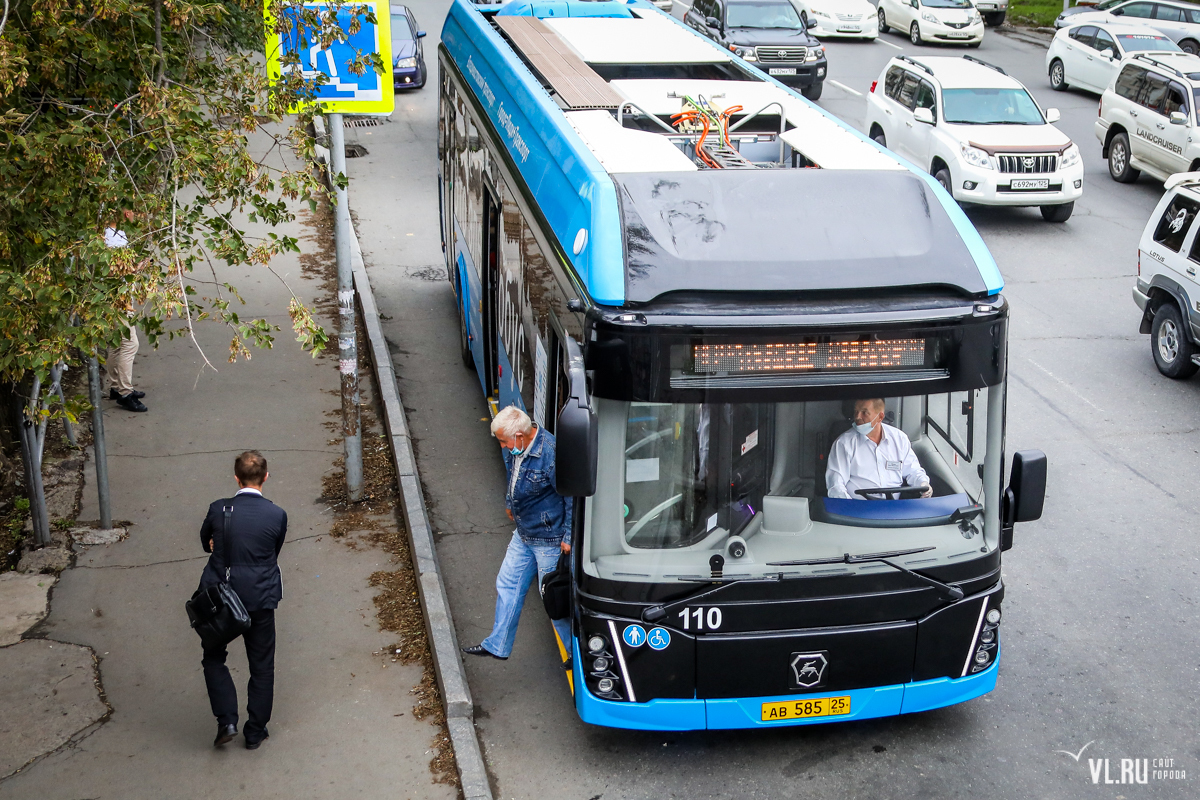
(872, 454)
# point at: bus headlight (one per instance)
(605, 685)
(596, 644)
(993, 616)
(988, 636)
(600, 664)
(982, 657)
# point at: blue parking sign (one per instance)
(342, 91)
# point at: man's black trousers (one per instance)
(260, 653)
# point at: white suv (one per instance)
(1167, 290)
(977, 131)
(1147, 117)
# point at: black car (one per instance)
(408, 53)
(767, 33)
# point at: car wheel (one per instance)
(1171, 344)
(974, 44)
(879, 138)
(914, 33)
(883, 26)
(813, 92)
(995, 19)
(1190, 46)
(1059, 213)
(1058, 75)
(1118, 160)
(942, 176)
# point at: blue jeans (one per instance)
(521, 563)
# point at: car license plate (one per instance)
(1030, 183)
(850, 29)
(958, 35)
(781, 71)
(801, 709)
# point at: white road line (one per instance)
(881, 40)
(1066, 385)
(844, 87)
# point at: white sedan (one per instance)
(840, 18)
(1086, 56)
(933, 20)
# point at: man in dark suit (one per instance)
(257, 528)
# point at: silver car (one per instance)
(1180, 22)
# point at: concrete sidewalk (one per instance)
(343, 723)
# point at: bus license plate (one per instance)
(801, 709)
(782, 71)
(1030, 183)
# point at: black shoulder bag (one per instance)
(217, 613)
(556, 589)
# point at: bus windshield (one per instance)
(793, 480)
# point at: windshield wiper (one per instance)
(656, 613)
(945, 589)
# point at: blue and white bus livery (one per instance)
(689, 274)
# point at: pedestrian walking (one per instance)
(255, 536)
(119, 363)
(543, 531)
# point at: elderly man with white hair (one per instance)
(543, 531)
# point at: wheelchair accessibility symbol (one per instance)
(634, 635)
(658, 639)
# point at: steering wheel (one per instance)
(651, 514)
(902, 492)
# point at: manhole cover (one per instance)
(355, 151)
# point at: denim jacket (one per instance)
(539, 511)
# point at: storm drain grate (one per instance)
(363, 122)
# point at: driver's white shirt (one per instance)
(855, 462)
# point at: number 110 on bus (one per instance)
(695, 619)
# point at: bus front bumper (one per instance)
(745, 712)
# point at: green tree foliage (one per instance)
(139, 114)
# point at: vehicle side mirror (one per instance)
(1026, 493)
(1052, 115)
(712, 22)
(1178, 118)
(810, 24)
(915, 3)
(420, 34)
(576, 440)
(923, 115)
(1109, 54)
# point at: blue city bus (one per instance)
(691, 275)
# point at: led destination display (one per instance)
(745, 359)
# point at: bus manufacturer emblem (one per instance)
(808, 670)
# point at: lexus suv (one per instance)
(768, 33)
(978, 132)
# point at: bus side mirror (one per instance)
(576, 434)
(1026, 492)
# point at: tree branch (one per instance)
(158, 45)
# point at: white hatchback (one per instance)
(933, 20)
(853, 19)
(977, 131)
(1086, 56)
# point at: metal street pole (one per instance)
(347, 335)
(98, 448)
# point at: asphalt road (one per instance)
(1101, 644)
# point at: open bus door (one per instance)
(491, 293)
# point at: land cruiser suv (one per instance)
(1167, 291)
(977, 131)
(1147, 116)
(768, 33)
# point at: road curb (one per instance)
(443, 643)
